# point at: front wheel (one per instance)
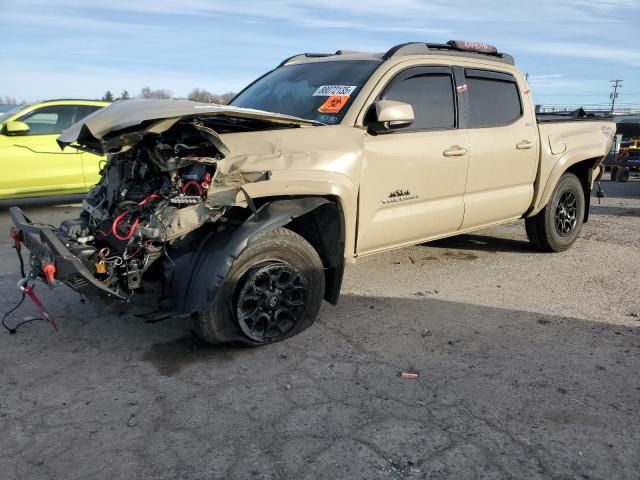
(273, 291)
(557, 226)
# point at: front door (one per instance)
(413, 178)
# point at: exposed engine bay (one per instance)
(149, 195)
(170, 210)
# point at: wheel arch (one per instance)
(584, 171)
(583, 168)
(201, 262)
(324, 228)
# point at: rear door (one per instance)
(504, 148)
(413, 178)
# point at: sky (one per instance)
(571, 49)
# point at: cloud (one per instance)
(93, 45)
(378, 13)
(557, 82)
(606, 5)
(75, 22)
(92, 83)
(613, 54)
(316, 15)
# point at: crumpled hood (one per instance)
(122, 124)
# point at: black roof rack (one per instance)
(300, 56)
(453, 47)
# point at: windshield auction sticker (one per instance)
(333, 104)
(333, 90)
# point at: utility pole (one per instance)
(616, 84)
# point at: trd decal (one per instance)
(399, 196)
(607, 131)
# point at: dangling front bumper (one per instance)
(47, 248)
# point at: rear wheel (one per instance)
(273, 291)
(557, 226)
(614, 173)
(622, 175)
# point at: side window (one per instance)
(430, 92)
(50, 120)
(494, 99)
(85, 110)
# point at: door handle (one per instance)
(455, 151)
(524, 145)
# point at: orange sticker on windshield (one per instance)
(334, 104)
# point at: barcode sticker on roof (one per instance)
(333, 90)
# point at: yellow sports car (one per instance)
(31, 161)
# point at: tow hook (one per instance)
(49, 270)
(17, 238)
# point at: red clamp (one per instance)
(28, 291)
(49, 270)
(194, 184)
(17, 238)
(206, 181)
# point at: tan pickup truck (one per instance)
(242, 217)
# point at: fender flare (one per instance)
(565, 162)
(200, 266)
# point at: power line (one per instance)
(613, 95)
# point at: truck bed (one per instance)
(576, 115)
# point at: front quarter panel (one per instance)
(308, 161)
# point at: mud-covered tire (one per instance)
(622, 175)
(273, 258)
(557, 226)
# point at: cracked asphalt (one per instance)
(528, 367)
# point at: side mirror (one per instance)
(17, 128)
(390, 114)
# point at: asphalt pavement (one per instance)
(527, 367)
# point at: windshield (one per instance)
(320, 91)
(9, 113)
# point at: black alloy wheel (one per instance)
(557, 226)
(566, 217)
(273, 291)
(272, 301)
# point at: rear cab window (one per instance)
(493, 98)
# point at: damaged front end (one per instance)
(166, 177)
(150, 195)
